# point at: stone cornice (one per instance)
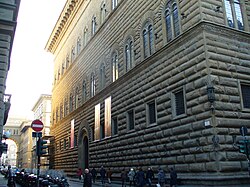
(64, 20)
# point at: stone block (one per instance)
(230, 166)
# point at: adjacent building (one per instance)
(160, 83)
(42, 111)
(8, 11)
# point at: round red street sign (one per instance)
(37, 125)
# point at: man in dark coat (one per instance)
(87, 179)
(103, 174)
(94, 173)
(140, 178)
(173, 177)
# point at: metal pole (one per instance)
(38, 165)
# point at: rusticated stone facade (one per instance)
(191, 131)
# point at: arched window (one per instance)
(77, 97)
(93, 25)
(65, 107)
(168, 25)
(71, 102)
(84, 91)
(79, 45)
(67, 62)
(234, 14)
(62, 68)
(102, 76)
(73, 54)
(103, 12)
(176, 20)
(92, 85)
(148, 41)
(129, 54)
(85, 37)
(61, 111)
(115, 66)
(57, 114)
(172, 20)
(114, 4)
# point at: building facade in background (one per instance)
(42, 111)
(8, 11)
(160, 83)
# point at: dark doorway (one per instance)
(86, 152)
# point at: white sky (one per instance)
(31, 67)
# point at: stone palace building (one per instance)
(152, 83)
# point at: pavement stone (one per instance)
(3, 181)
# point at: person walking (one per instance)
(87, 182)
(79, 173)
(93, 173)
(149, 176)
(131, 177)
(109, 173)
(124, 177)
(11, 182)
(140, 176)
(103, 174)
(173, 177)
(161, 177)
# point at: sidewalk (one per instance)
(3, 181)
(118, 184)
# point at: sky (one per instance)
(31, 67)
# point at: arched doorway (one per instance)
(85, 152)
(83, 145)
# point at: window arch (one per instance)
(172, 21)
(67, 62)
(84, 91)
(57, 114)
(71, 102)
(93, 25)
(102, 76)
(85, 36)
(77, 97)
(148, 40)
(65, 107)
(92, 85)
(79, 45)
(129, 53)
(103, 12)
(115, 66)
(234, 14)
(73, 54)
(61, 111)
(176, 20)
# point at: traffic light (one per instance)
(243, 146)
(41, 147)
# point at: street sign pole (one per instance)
(38, 163)
(37, 126)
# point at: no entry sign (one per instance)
(37, 125)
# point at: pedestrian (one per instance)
(87, 179)
(79, 173)
(124, 177)
(103, 174)
(11, 182)
(109, 173)
(140, 178)
(131, 177)
(149, 176)
(161, 177)
(173, 177)
(93, 173)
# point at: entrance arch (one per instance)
(83, 145)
